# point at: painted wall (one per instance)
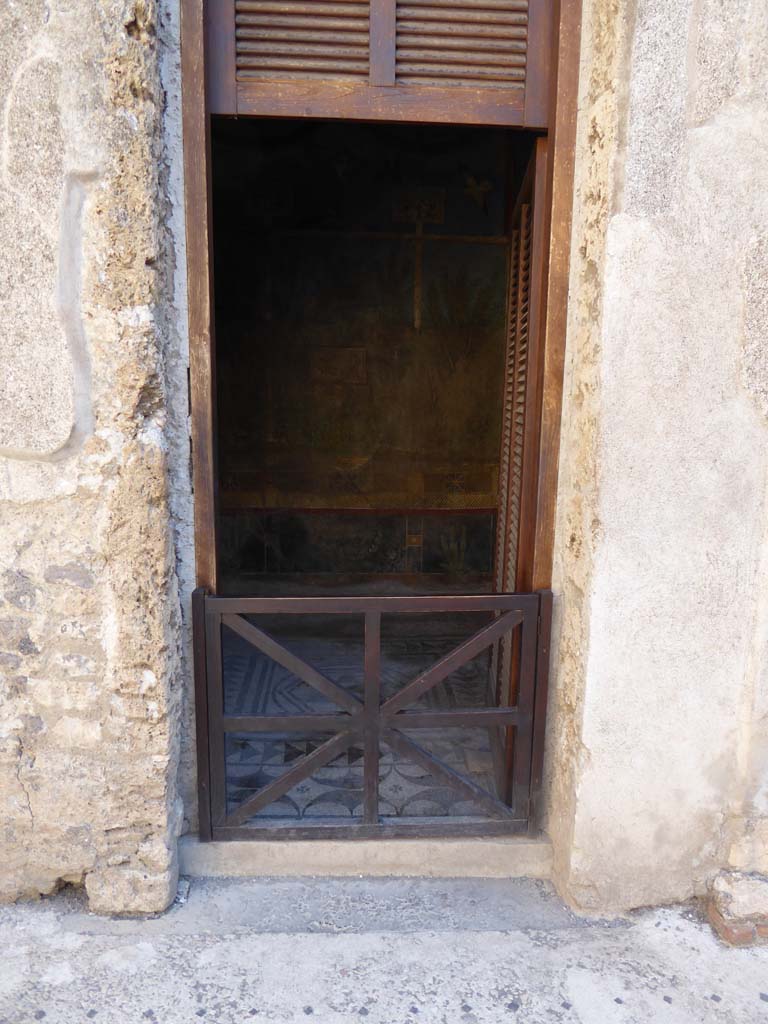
(657, 754)
(94, 486)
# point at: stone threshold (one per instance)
(492, 857)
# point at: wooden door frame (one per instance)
(196, 125)
(543, 443)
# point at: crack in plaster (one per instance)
(22, 784)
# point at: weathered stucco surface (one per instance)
(658, 750)
(382, 951)
(93, 490)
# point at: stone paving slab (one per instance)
(387, 951)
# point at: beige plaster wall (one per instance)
(657, 751)
(94, 478)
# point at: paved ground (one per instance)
(386, 951)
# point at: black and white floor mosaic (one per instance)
(256, 685)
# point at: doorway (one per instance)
(362, 279)
(365, 670)
(346, 545)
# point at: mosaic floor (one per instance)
(256, 685)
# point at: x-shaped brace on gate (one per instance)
(371, 720)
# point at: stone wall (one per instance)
(658, 745)
(94, 477)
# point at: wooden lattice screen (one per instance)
(520, 416)
(458, 61)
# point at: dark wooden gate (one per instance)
(514, 714)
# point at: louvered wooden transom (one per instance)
(477, 43)
(302, 39)
(430, 61)
(480, 43)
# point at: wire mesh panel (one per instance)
(370, 716)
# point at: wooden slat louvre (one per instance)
(452, 70)
(302, 39)
(462, 58)
(457, 42)
(446, 80)
(520, 6)
(297, 34)
(521, 369)
(462, 15)
(435, 61)
(305, 49)
(299, 20)
(507, 411)
(311, 8)
(336, 68)
(490, 47)
(462, 33)
(518, 395)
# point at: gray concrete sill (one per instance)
(497, 857)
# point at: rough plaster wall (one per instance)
(656, 754)
(605, 28)
(91, 432)
(749, 824)
(176, 352)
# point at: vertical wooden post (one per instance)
(540, 58)
(221, 69)
(540, 709)
(559, 205)
(371, 692)
(215, 706)
(382, 43)
(536, 318)
(201, 714)
(202, 380)
(522, 745)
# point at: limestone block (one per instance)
(657, 112)
(720, 37)
(729, 53)
(35, 141)
(36, 398)
(755, 365)
(749, 852)
(739, 895)
(130, 890)
(36, 387)
(738, 907)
